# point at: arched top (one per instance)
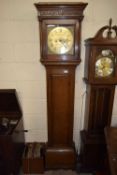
(111, 31)
(106, 34)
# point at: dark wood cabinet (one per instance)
(111, 145)
(60, 36)
(11, 133)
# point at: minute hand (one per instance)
(64, 43)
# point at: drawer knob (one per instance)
(66, 71)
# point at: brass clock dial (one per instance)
(60, 40)
(104, 66)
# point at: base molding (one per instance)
(93, 151)
(60, 157)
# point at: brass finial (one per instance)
(110, 22)
(109, 28)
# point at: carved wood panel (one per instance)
(99, 107)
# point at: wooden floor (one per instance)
(59, 172)
(99, 173)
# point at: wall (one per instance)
(20, 67)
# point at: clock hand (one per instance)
(63, 42)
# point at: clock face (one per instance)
(104, 66)
(60, 40)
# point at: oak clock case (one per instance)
(100, 78)
(60, 41)
(60, 37)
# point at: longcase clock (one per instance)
(100, 78)
(60, 36)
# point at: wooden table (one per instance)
(111, 141)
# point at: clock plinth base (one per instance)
(93, 151)
(60, 157)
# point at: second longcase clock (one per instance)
(60, 36)
(100, 78)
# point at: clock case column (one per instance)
(98, 111)
(99, 99)
(60, 68)
(60, 149)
